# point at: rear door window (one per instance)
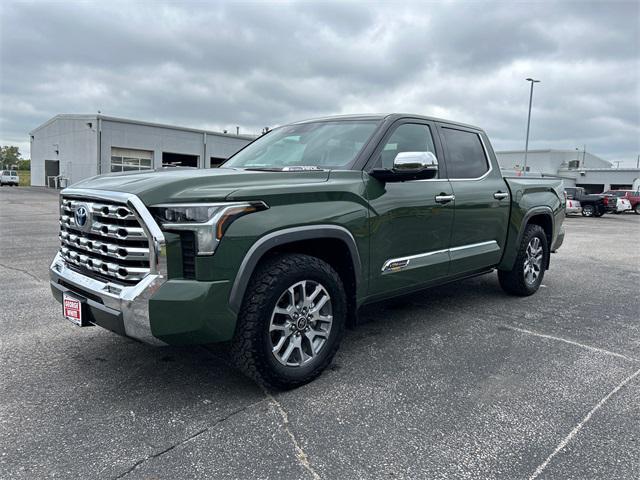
(465, 154)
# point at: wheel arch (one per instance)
(331, 243)
(542, 216)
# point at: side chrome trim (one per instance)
(438, 256)
(132, 301)
(414, 261)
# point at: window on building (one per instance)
(215, 162)
(127, 160)
(179, 160)
(466, 158)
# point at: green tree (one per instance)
(9, 156)
(24, 164)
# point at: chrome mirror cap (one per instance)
(406, 162)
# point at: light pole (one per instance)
(526, 144)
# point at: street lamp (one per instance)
(526, 145)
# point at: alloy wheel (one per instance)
(300, 323)
(533, 261)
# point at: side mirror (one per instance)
(409, 166)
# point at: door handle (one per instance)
(445, 198)
(500, 195)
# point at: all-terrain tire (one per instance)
(515, 281)
(251, 348)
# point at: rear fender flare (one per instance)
(511, 252)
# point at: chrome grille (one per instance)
(112, 246)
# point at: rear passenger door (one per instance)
(482, 201)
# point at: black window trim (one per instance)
(484, 147)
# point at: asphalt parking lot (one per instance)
(461, 381)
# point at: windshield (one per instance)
(323, 145)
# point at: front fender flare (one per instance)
(282, 237)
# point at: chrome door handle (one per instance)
(445, 198)
(500, 195)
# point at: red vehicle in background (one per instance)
(632, 195)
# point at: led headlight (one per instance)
(208, 221)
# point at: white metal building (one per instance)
(69, 148)
(575, 167)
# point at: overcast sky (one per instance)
(218, 65)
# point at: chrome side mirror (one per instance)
(415, 162)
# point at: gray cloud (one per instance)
(217, 65)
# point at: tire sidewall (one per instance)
(338, 304)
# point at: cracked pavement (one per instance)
(461, 381)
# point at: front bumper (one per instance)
(123, 310)
(157, 310)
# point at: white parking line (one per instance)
(571, 342)
(578, 427)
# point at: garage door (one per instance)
(126, 159)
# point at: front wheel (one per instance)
(291, 321)
(637, 209)
(528, 271)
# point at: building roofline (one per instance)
(75, 116)
(545, 150)
(601, 169)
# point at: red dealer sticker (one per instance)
(72, 309)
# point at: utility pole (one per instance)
(584, 154)
(638, 162)
(526, 144)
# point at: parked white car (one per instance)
(622, 205)
(572, 207)
(9, 177)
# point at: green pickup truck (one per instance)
(276, 250)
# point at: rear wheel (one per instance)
(587, 211)
(291, 321)
(528, 271)
(637, 209)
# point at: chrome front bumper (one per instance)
(129, 302)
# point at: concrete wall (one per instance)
(145, 137)
(76, 144)
(160, 139)
(76, 139)
(604, 177)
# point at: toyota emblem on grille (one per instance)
(81, 216)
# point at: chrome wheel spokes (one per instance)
(533, 260)
(300, 323)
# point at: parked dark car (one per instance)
(593, 205)
(632, 195)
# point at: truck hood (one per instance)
(182, 185)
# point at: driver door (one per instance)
(410, 223)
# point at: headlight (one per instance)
(208, 221)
